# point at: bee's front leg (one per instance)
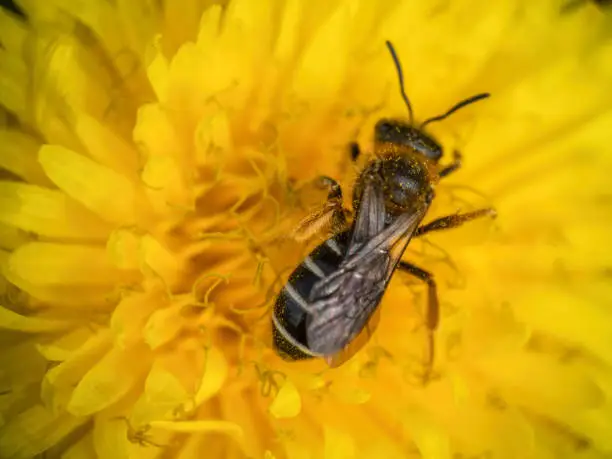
(454, 221)
(452, 167)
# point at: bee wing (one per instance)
(342, 303)
(354, 346)
(367, 331)
(370, 217)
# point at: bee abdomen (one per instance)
(291, 307)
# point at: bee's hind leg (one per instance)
(335, 190)
(334, 196)
(432, 315)
(331, 219)
(335, 203)
(333, 216)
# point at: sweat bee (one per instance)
(331, 297)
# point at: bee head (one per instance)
(408, 133)
(406, 176)
(401, 133)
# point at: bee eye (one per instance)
(383, 128)
(387, 131)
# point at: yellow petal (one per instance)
(204, 426)
(19, 155)
(106, 147)
(163, 175)
(249, 19)
(589, 327)
(139, 20)
(158, 69)
(228, 75)
(10, 320)
(287, 403)
(195, 444)
(132, 313)
(162, 386)
(97, 187)
(82, 448)
(100, 17)
(62, 264)
(431, 440)
(514, 260)
(209, 26)
(21, 365)
(110, 438)
(4, 283)
(288, 33)
(215, 373)
(78, 297)
(534, 379)
(487, 427)
(187, 94)
(235, 407)
(55, 398)
(350, 393)
(297, 451)
(389, 448)
(13, 31)
(33, 431)
(123, 247)
(160, 260)
(108, 381)
(163, 326)
(72, 73)
(76, 362)
(212, 136)
(155, 134)
(48, 213)
(338, 444)
(162, 395)
(11, 237)
(64, 346)
(13, 93)
(594, 425)
(314, 82)
(181, 24)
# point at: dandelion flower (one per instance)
(152, 155)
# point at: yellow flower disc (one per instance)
(156, 156)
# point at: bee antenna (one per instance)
(400, 76)
(461, 104)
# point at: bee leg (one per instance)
(453, 221)
(432, 315)
(335, 190)
(334, 200)
(355, 151)
(452, 167)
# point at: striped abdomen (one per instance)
(289, 319)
